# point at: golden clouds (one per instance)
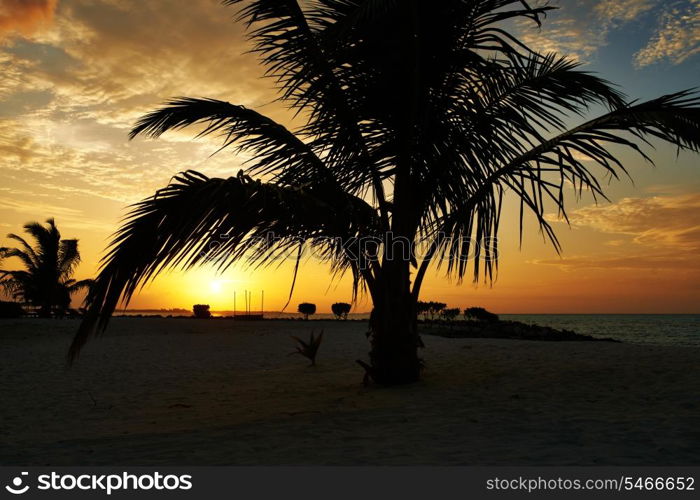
(658, 221)
(25, 16)
(655, 233)
(70, 95)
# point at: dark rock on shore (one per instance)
(505, 330)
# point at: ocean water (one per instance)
(674, 329)
(668, 329)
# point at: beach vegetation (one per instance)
(46, 281)
(201, 311)
(450, 314)
(309, 349)
(479, 314)
(415, 121)
(307, 309)
(341, 310)
(430, 310)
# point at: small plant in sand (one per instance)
(308, 349)
(201, 311)
(341, 310)
(306, 309)
(479, 314)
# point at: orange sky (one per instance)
(78, 73)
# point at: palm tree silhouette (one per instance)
(419, 117)
(46, 281)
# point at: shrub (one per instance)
(479, 314)
(450, 314)
(201, 311)
(341, 310)
(306, 309)
(429, 309)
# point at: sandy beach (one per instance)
(188, 392)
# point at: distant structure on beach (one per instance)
(248, 315)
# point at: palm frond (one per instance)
(68, 257)
(47, 238)
(18, 284)
(308, 78)
(542, 174)
(197, 220)
(29, 257)
(76, 286)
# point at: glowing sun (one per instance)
(216, 286)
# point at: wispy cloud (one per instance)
(580, 32)
(658, 221)
(676, 39)
(70, 92)
(69, 217)
(611, 12)
(563, 35)
(659, 232)
(626, 262)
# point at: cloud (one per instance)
(566, 36)
(625, 261)
(661, 232)
(25, 16)
(581, 30)
(676, 39)
(658, 221)
(70, 217)
(622, 11)
(71, 92)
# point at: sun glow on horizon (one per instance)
(196, 286)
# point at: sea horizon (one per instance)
(646, 328)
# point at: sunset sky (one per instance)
(76, 74)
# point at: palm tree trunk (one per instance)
(394, 335)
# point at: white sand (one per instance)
(187, 392)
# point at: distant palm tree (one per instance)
(46, 281)
(420, 116)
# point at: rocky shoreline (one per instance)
(504, 330)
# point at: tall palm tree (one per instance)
(420, 117)
(46, 281)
